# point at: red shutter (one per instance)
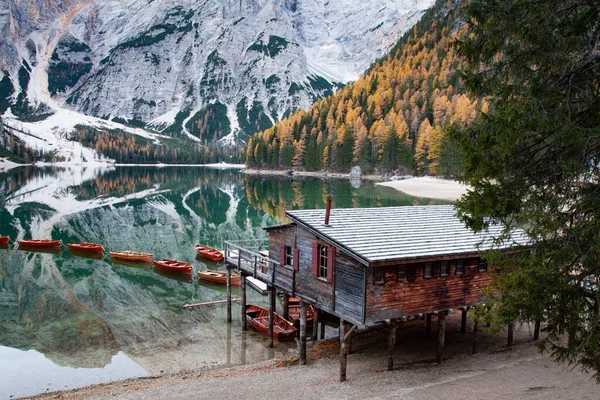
(330, 263)
(296, 259)
(282, 255)
(315, 259)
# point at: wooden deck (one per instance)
(248, 257)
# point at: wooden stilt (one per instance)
(475, 329)
(243, 303)
(463, 321)
(302, 333)
(285, 312)
(343, 350)
(228, 293)
(441, 336)
(271, 312)
(536, 330)
(322, 330)
(393, 327)
(315, 327)
(428, 325)
(228, 343)
(511, 327)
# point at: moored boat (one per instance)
(174, 266)
(43, 243)
(219, 277)
(85, 246)
(294, 313)
(136, 256)
(258, 317)
(208, 252)
(4, 239)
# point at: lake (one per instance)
(68, 321)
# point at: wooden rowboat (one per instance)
(4, 239)
(85, 246)
(40, 243)
(258, 317)
(137, 256)
(219, 277)
(174, 266)
(208, 252)
(294, 313)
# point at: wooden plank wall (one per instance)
(349, 288)
(318, 291)
(416, 294)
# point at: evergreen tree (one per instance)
(533, 162)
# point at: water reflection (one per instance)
(83, 311)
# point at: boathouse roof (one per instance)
(376, 235)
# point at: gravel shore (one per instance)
(495, 372)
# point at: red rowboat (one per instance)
(84, 246)
(294, 313)
(208, 252)
(174, 265)
(132, 256)
(220, 277)
(4, 239)
(259, 318)
(40, 243)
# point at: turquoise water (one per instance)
(113, 321)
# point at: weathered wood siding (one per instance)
(343, 297)
(417, 294)
(349, 278)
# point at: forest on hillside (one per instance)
(395, 118)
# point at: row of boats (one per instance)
(258, 317)
(134, 256)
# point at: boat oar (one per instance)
(208, 303)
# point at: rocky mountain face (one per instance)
(210, 70)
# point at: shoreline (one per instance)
(424, 187)
(415, 375)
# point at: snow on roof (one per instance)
(401, 233)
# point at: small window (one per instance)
(401, 272)
(322, 262)
(428, 270)
(483, 267)
(444, 268)
(378, 275)
(289, 255)
(460, 267)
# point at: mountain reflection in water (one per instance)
(81, 312)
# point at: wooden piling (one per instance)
(285, 312)
(511, 327)
(228, 293)
(463, 321)
(441, 336)
(322, 330)
(536, 330)
(271, 312)
(302, 333)
(343, 350)
(428, 325)
(243, 304)
(393, 327)
(315, 327)
(475, 329)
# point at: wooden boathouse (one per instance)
(371, 266)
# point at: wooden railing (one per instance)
(246, 256)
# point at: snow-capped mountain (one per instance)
(211, 70)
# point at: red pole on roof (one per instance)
(328, 210)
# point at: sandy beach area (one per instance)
(495, 372)
(430, 187)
